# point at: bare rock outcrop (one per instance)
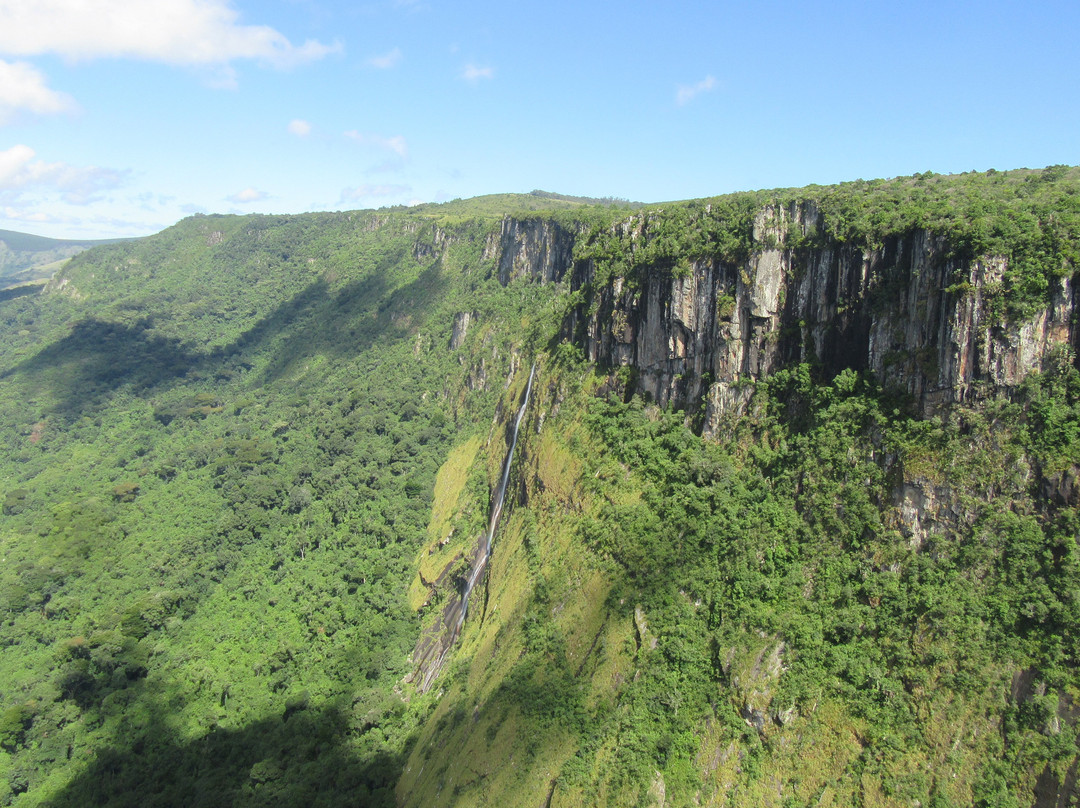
(922, 320)
(534, 248)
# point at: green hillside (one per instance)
(26, 258)
(245, 461)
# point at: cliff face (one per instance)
(697, 337)
(923, 322)
(531, 248)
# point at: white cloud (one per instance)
(180, 32)
(248, 195)
(373, 192)
(13, 162)
(20, 172)
(35, 216)
(386, 60)
(684, 94)
(59, 225)
(151, 202)
(299, 128)
(475, 73)
(395, 144)
(23, 87)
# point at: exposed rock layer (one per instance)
(922, 321)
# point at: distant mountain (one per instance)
(25, 258)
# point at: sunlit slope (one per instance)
(243, 464)
(846, 596)
(678, 622)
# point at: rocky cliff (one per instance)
(923, 321)
(912, 309)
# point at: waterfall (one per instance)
(496, 510)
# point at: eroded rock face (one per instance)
(460, 329)
(754, 674)
(531, 248)
(890, 311)
(1061, 488)
(922, 321)
(1052, 788)
(922, 508)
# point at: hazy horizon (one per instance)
(121, 120)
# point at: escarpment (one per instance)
(696, 335)
(836, 566)
(859, 588)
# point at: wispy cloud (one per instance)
(151, 202)
(77, 185)
(96, 225)
(298, 127)
(93, 226)
(684, 93)
(386, 60)
(180, 32)
(35, 216)
(247, 196)
(362, 192)
(395, 143)
(390, 165)
(24, 88)
(474, 73)
(219, 76)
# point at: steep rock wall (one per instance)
(531, 248)
(923, 322)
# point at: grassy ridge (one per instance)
(220, 451)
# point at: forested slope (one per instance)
(25, 258)
(247, 461)
(219, 453)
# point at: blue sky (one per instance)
(119, 117)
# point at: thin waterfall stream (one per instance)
(496, 511)
(435, 643)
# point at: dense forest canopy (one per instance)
(243, 462)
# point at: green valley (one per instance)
(792, 519)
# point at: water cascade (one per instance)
(435, 643)
(480, 562)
